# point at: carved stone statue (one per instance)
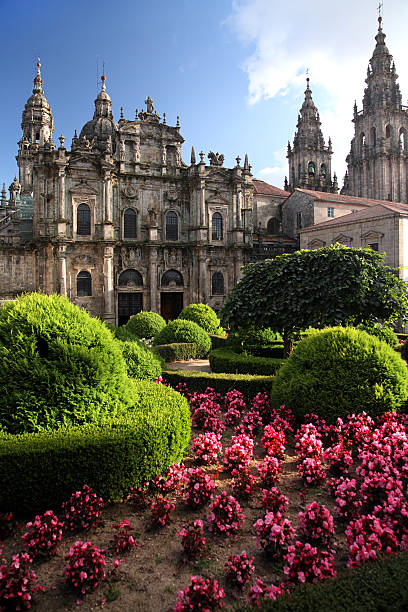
(216, 159)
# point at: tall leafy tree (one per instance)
(335, 285)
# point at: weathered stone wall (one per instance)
(18, 271)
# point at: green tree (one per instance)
(335, 285)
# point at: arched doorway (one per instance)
(130, 298)
(171, 296)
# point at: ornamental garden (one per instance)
(277, 481)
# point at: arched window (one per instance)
(323, 169)
(129, 223)
(311, 168)
(171, 226)
(172, 276)
(388, 131)
(130, 278)
(373, 136)
(84, 283)
(273, 226)
(83, 220)
(217, 229)
(217, 283)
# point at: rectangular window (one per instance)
(330, 212)
(374, 246)
(298, 220)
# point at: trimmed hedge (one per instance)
(273, 350)
(383, 332)
(181, 330)
(145, 324)
(204, 316)
(218, 341)
(338, 371)
(222, 383)
(222, 360)
(59, 366)
(373, 586)
(39, 470)
(177, 351)
(141, 362)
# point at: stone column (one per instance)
(203, 277)
(202, 204)
(62, 268)
(108, 314)
(61, 194)
(153, 279)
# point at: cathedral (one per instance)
(119, 222)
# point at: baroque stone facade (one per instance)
(119, 222)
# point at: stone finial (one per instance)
(246, 164)
(238, 159)
(62, 140)
(4, 195)
(178, 122)
(137, 113)
(202, 155)
(193, 157)
(164, 119)
(121, 113)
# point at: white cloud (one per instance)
(274, 174)
(334, 40)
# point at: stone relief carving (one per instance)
(130, 192)
(130, 256)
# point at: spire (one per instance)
(193, 157)
(38, 82)
(103, 103)
(382, 89)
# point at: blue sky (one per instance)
(233, 70)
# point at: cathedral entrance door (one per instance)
(171, 304)
(128, 305)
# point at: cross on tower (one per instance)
(380, 6)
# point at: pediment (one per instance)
(343, 239)
(83, 189)
(372, 235)
(218, 200)
(217, 175)
(316, 243)
(81, 160)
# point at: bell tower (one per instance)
(378, 159)
(38, 126)
(309, 158)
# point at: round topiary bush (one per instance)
(204, 316)
(145, 324)
(59, 366)
(339, 371)
(181, 330)
(382, 332)
(40, 470)
(141, 362)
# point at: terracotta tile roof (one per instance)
(337, 197)
(379, 210)
(263, 188)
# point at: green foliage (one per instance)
(383, 332)
(141, 362)
(182, 330)
(338, 371)
(375, 586)
(329, 286)
(177, 351)
(218, 341)
(198, 381)
(204, 316)
(121, 332)
(250, 338)
(145, 324)
(59, 366)
(40, 470)
(222, 360)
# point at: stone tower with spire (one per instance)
(309, 158)
(378, 158)
(38, 126)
